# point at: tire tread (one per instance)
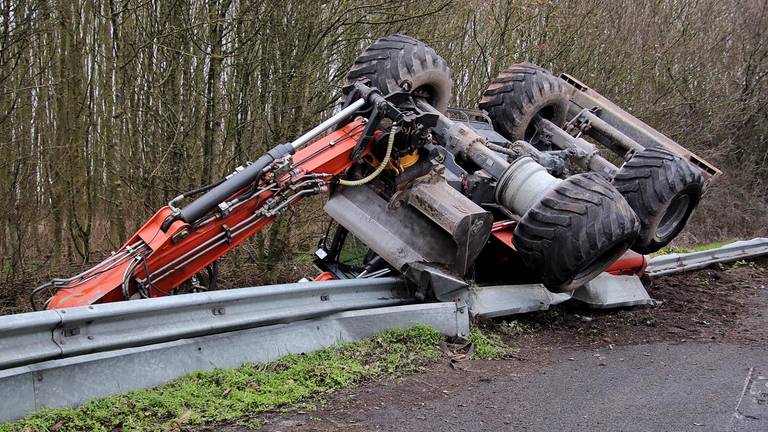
(581, 217)
(649, 181)
(390, 60)
(518, 93)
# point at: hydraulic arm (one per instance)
(176, 244)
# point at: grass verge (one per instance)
(203, 398)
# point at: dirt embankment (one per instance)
(716, 304)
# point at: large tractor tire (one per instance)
(575, 232)
(519, 94)
(662, 189)
(402, 63)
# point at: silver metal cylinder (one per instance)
(601, 127)
(322, 127)
(523, 184)
(460, 139)
(588, 156)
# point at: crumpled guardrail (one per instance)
(33, 337)
(678, 263)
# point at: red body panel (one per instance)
(631, 263)
(503, 232)
(324, 276)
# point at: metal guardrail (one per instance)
(36, 336)
(678, 263)
(76, 380)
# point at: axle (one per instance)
(521, 183)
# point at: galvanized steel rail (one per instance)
(33, 337)
(678, 263)
(67, 357)
(72, 381)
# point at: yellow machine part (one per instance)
(397, 166)
(408, 160)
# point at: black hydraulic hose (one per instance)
(193, 192)
(376, 263)
(201, 206)
(370, 128)
(213, 275)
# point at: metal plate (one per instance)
(609, 291)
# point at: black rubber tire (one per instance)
(663, 190)
(575, 232)
(402, 63)
(518, 94)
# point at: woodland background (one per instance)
(110, 108)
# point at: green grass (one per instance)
(488, 346)
(205, 398)
(687, 249)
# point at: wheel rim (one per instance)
(426, 92)
(673, 216)
(546, 113)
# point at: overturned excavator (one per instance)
(547, 182)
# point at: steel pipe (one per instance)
(591, 160)
(332, 121)
(605, 131)
(460, 139)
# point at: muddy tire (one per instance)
(575, 232)
(518, 94)
(663, 190)
(402, 63)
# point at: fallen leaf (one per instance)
(181, 420)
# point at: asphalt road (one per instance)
(655, 387)
(660, 387)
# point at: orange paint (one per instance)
(324, 276)
(328, 155)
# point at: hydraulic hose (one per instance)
(380, 168)
(223, 190)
